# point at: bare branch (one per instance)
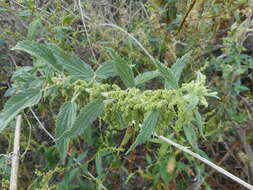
(197, 156)
(15, 156)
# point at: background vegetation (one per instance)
(82, 129)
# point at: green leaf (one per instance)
(40, 51)
(64, 121)
(22, 75)
(199, 123)
(57, 58)
(163, 171)
(100, 157)
(77, 68)
(24, 79)
(98, 162)
(124, 70)
(85, 118)
(33, 28)
(179, 65)
(16, 104)
(170, 78)
(147, 129)
(10, 91)
(191, 135)
(144, 77)
(72, 64)
(106, 70)
(193, 101)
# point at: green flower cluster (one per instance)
(176, 107)
(97, 89)
(133, 104)
(66, 89)
(128, 107)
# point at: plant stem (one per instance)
(15, 156)
(197, 156)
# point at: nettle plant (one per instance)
(86, 97)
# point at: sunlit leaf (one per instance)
(22, 73)
(124, 70)
(106, 70)
(179, 65)
(147, 129)
(40, 51)
(168, 75)
(10, 91)
(191, 135)
(98, 162)
(57, 58)
(72, 64)
(24, 78)
(76, 67)
(64, 121)
(85, 118)
(199, 123)
(16, 104)
(33, 29)
(144, 77)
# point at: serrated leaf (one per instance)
(162, 170)
(98, 162)
(10, 91)
(144, 77)
(106, 70)
(199, 123)
(169, 77)
(193, 101)
(191, 135)
(64, 121)
(33, 28)
(40, 51)
(77, 68)
(57, 58)
(21, 71)
(179, 65)
(123, 69)
(23, 79)
(72, 64)
(85, 118)
(147, 129)
(22, 75)
(16, 104)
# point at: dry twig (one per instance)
(204, 160)
(15, 156)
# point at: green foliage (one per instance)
(123, 69)
(147, 129)
(144, 77)
(33, 29)
(40, 51)
(85, 118)
(168, 75)
(17, 103)
(64, 122)
(112, 104)
(106, 70)
(73, 65)
(96, 117)
(179, 65)
(57, 58)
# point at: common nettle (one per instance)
(86, 96)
